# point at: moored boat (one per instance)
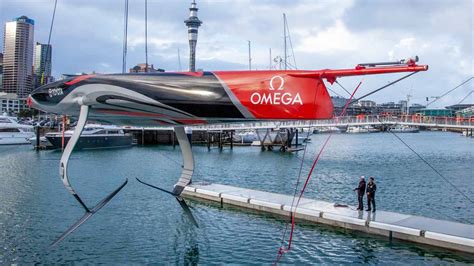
(361, 129)
(94, 137)
(403, 129)
(12, 132)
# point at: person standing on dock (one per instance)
(371, 188)
(360, 193)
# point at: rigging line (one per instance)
(417, 154)
(437, 211)
(292, 66)
(446, 93)
(343, 87)
(427, 163)
(282, 250)
(291, 44)
(383, 87)
(49, 42)
(465, 97)
(146, 36)
(334, 92)
(296, 187)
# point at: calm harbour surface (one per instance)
(142, 225)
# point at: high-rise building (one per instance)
(42, 64)
(193, 23)
(1, 71)
(18, 56)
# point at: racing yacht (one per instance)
(194, 98)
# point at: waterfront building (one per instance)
(18, 56)
(42, 64)
(10, 103)
(193, 23)
(466, 112)
(340, 102)
(437, 112)
(143, 68)
(367, 103)
(415, 108)
(460, 106)
(390, 108)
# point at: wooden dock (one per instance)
(439, 233)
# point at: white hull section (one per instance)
(16, 138)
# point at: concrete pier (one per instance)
(439, 233)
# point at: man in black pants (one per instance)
(371, 188)
(360, 193)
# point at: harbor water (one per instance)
(143, 225)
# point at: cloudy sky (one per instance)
(88, 36)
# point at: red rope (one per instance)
(282, 250)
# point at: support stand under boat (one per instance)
(63, 172)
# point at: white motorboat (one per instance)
(322, 130)
(94, 137)
(403, 129)
(246, 137)
(361, 129)
(12, 132)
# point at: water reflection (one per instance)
(186, 247)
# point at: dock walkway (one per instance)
(445, 234)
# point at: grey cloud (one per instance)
(88, 36)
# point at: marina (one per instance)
(257, 151)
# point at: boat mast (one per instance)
(179, 59)
(250, 56)
(270, 60)
(124, 55)
(146, 36)
(284, 40)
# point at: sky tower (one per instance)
(193, 24)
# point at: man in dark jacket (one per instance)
(360, 193)
(371, 188)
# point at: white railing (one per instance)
(427, 121)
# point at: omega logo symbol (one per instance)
(275, 97)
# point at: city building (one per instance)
(369, 107)
(460, 106)
(437, 112)
(415, 108)
(11, 104)
(367, 103)
(193, 23)
(142, 68)
(390, 108)
(42, 64)
(466, 112)
(340, 102)
(1, 71)
(18, 56)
